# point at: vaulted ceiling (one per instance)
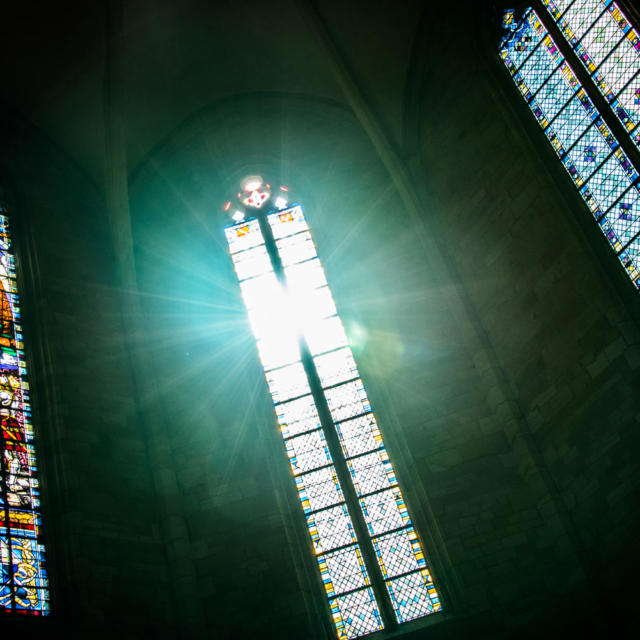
(178, 58)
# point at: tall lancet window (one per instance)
(603, 173)
(24, 587)
(369, 555)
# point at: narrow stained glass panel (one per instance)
(385, 511)
(297, 416)
(359, 435)
(288, 382)
(293, 249)
(616, 70)
(599, 168)
(335, 367)
(287, 223)
(589, 153)
(325, 335)
(523, 41)
(244, 235)
(571, 123)
(610, 51)
(413, 595)
(275, 316)
(557, 91)
(308, 451)
(399, 552)
(347, 400)
(579, 17)
(24, 585)
(330, 529)
(372, 472)
(319, 489)
(356, 614)
(306, 305)
(252, 262)
(538, 67)
(624, 217)
(343, 570)
(606, 186)
(305, 275)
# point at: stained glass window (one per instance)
(602, 172)
(609, 48)
(24, 586)
(288, 290)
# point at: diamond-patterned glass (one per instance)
(343, 570)
(276, 313)
(297, 416)
(288, 382)
(385, 511)
(372, 472)
(413, 596)
(571, 123)
(617, 69)
(308, 451)
(557, 7)
(335, 367)
(356, 614)
(359, 435)
(538, 67)
(610, 51)
(598, 41)
(319, 489)
(399, 552)
(589, 152)
(347, 400)
(331, 528)
(606, 186)
(628, 106)
(557, 91)
(624, 217)
(578, 18)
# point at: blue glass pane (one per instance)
(557, 91)
(584, 143)
(571, 123)
(518, 45)
(536, 70)
(588, 153)
(578, 18)
(624, 216)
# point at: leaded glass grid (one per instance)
(584, 143)
(305, 310)
(343, 570)
(609, 49)
(24, 585)
(413, 595)
(356, 614)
